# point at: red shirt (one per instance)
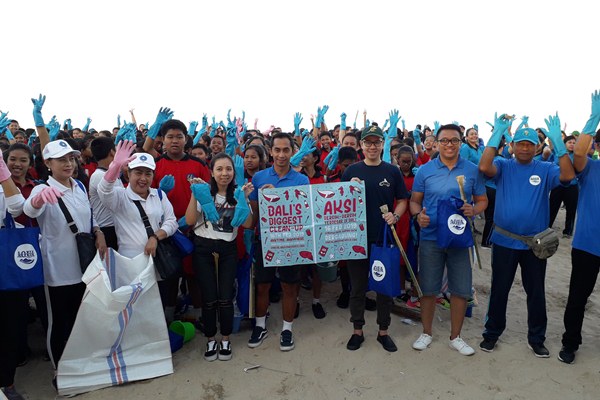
(187, 167)
(90, 168)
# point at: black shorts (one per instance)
(288, 274)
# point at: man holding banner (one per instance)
(383, 186)
(281, 174)
(445, 235)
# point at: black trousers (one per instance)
(359, 282)
(13, 313)
(569, 195)
(216, 286)
(63, 304)
(584, 272)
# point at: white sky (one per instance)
(433, 60)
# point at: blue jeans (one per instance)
(432, 261)
(533, 275)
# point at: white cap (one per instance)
(142, 160)
(57, 149)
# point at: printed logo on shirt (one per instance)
(378, 271)
(535, 180)
(384, 182)
(457, 224)
(26, 256)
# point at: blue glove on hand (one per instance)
(37, 110)
(232, 142)
(592, 123)
(387, 149)
(385, 124)
(524, 122)
(343, 122)
(9, 134)
(198, 136)
(501, 125)
(127, 132)
(414, 170)
(201, 192)
(555, 135)
(240, 215)
(436, 127)
(31, 139)
(164, 114)
(297, 122)
(213, 128)
(321, 116)
(394, 119)
(192, 128)
(332, 158)
(368, 124)
(167, 183)
(86, 127)
(182, 224)
(238, 165)
(307, 147)
(417, 136)
(4, 121)
(53, 129)
(204, 122)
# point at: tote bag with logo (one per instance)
(384, 261)
(453, 229)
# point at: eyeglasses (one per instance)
(445, 141)
(372, 144)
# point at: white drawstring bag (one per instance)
(120, 334)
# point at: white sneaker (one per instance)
(461, 346)
(422, 342)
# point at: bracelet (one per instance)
(154, 236)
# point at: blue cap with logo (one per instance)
(526, 134)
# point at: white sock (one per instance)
(315, 301)
(287, 326)
(261, 321)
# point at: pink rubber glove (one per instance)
(48, 195)
(122, 157)
(4, 172)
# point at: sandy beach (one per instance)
(321, 367)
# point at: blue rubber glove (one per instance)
(476, 127)
(204, 122)
(4, 121)
(417, 136)
(524, 122)
(213, 128)
(333, 158)
(307, 147)
(167, 183)
(414, 170)
(192, 128)
(592, 123)
(201, 192)
(229, 121)
(501, 125)
(321, 116)
(31, 139)
(127, 132)
(164, 114)
(240, 215)
(394, 119)
(67, 124)
(232, 142)
(555, 135)
(9, 134)
(37, 110)
(436, 127)
(387, 149)
(385, 124)
(456, 123)
(198, 136)
(343, 122)
(297, 121)
(87, 124)
(53, 130)
(182, 224)
(238, 165)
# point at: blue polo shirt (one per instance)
(587, 229)
(437, 182)
(522, 199)
(470, 153)
(269, 176)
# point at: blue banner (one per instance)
(313, 223)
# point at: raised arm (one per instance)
(584, 141)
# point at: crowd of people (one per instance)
(137, 185)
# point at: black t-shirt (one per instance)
(383, 185)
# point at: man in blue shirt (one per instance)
(436, 181)
(523, 187)
(281, 174)
(585, 256)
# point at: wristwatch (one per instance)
(396, 216)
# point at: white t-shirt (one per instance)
(58, 245)
(102, 215)
(222, 229)
(12, 204)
